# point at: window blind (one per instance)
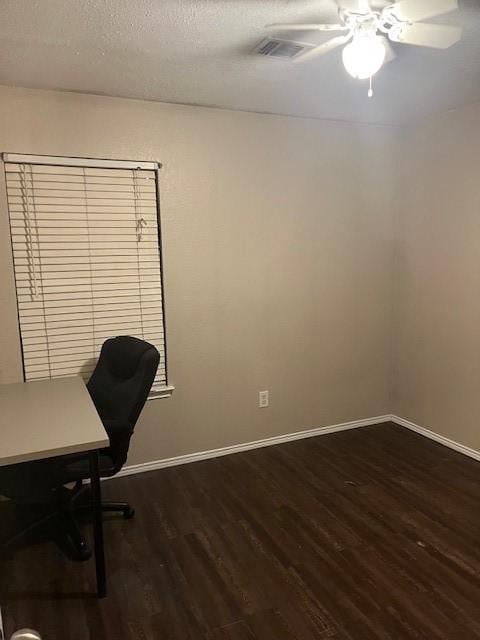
(87, 263)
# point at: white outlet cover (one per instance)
(263, 399)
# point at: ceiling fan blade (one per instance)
(421, 34)
(414, 10)
(389, 52)
(324, 48)
(355, 6)
(308, 27)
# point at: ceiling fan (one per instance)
(367, 31)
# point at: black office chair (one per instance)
(119, 387)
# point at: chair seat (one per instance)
(79, 468)
(30, 482)
(34, 482)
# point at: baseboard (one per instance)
(246, 446)
(451, 444)
(290, 437)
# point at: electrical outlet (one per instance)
(263, 399)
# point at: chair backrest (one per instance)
(119, 388)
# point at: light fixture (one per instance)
(364, 56)
(365, 52)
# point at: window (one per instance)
(85, 238)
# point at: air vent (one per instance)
(283, 49)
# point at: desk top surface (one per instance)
(46, 419)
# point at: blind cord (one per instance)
(29, 232)
(140, 222)
(90, 270)
(139, 227)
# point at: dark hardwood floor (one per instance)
(361, 535)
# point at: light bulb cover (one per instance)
(364, 56)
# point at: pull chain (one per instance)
(370, 90)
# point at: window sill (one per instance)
(166, 392)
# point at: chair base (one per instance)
(79, 548)
(72, 542)
(119, 507)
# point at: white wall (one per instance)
(277, 238)
(437, 277)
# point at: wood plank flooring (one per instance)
(362, 535)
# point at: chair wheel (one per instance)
(79, 552)
(83, 554)
(129, 513)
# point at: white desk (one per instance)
(53, 418)
(46, 419)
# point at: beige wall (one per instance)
(437, 285)
(277, 254)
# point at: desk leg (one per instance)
(98, 525)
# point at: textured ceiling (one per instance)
(197, 52)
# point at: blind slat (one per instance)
(74, 347)
(99, 306)
(93, 217)
(155, 338)
(71, 189)
(80, 227)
